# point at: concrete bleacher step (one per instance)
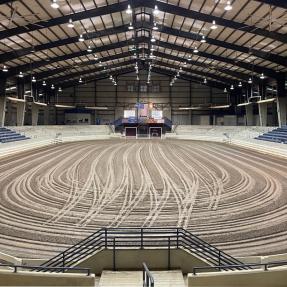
(134, 279)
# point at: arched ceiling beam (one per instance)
(275, 3)
(165, 7)
(164, 29)
(173, 9)
(249, 67)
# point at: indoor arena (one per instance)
(143, 143)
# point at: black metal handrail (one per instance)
(233, 266)
(148, 280)
(167, 238)
(51, 269)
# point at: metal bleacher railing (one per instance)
(123, 238)
(148, 280)
(266, 266)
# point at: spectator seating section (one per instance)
(278, 135)
(7, 135)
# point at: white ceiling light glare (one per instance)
(44, 84)
(195, 50)
(189, 58)
(131, 27)
(81, 38)
(129, 10)
(53, 87)
(228, 6)
(55, 4)
(89, 50)
(21, 75)
(152, 48)
(262, 77)
(240, 85)
(213, 26)
(34, 80)
(60, 90)
(155, 10)
(80, 80)
(205, 81)
(153, 39)
(232, 87)
(155, 27)
(225, 90)
(5, 69)
(96, 57)
(71, 23)
(203, 39)
(100, 64)
(250, 81)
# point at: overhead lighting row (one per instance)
(113, 80)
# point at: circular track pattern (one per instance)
(52, 197)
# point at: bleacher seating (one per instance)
(278, 135)
(7, 135)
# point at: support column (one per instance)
(249, 115)
(35, 114)
(263, 114)
(20, 113)
(2, 111)
(281, 111)
(46, 116)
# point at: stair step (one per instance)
(121, 278)
(168, 278)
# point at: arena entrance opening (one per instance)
(155, 132)
(131, 132)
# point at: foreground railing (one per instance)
(16, 268)
(265, 266)
(141, 238)
(148, 280)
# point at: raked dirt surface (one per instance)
(52, 197)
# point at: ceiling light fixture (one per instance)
(131, 27)
(55, 4)
(129, 10)
(44, 84)
(203, 40)
(228, 6)
(155, 27)
(239, 84)
(80, 80)
(225, 90)
(195, 50)
(262, 77)
(60, 90)
(96, 57)
(152, 48)
(21, 75)
(249, 81)
(205, 81)
(189, 58)
(89, 50)
(214, 26)
(53, 87)
(155, 11)
(232, 87)
(81, 39)
(5, 69)
(153, 39)
(71, 23)
(34, 80)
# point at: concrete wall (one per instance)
(22, 278)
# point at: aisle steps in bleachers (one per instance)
(278, 135)
(7, 135)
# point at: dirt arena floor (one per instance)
(53, 197)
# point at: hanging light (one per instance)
(262, 77)
(205, 81)
(249, 81)
(60, 90)
(71, 23)
(5, 69)
(89, 50)
(203, 40)
(96, 57)
(80, 80)
(185, 64)
(129, 10)
(239, 84)
(228, 6)
(34, 80)
(232, 87)
(138, 78)
(131, 27)
(115, 84)
(21, 75)
(155, 11)
(152, 48)
(214, 26)
(53, 87)
(195, 50)
(189, 58)
(55, 4)
(225, 90)
(153, 39)
(155, 27)
(44, 84)
(81, 39)
(100, 64)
